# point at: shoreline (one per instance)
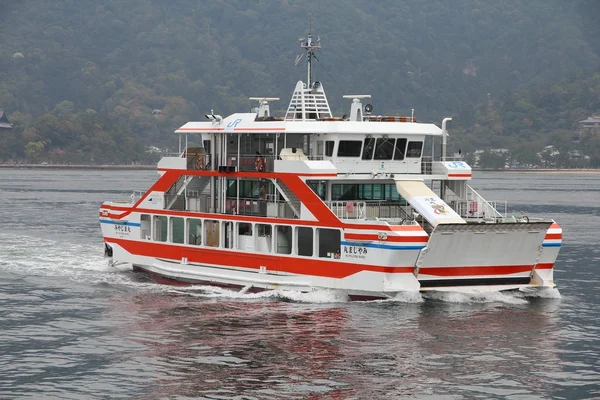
(153, 166)
(543, 171)
(77, 166)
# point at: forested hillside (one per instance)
(80, 79)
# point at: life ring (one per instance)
(200, 163)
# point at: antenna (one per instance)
(310, 46)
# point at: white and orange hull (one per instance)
(371, 266)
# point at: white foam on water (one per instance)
(544, 293)
(83, 263)
(410, 297)
(473, 298)
(316, 296)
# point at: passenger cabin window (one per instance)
(384, 149)
(177, 230)
(400, 149)
(367, 192)
(414, 149)
(349, 148)
(145, 226)
(264, 238)
(245, 241)
(329, 148)
(284, 239)
(160, 228)
(228, 235)
(367, 153)
(329, 242)
(211, 233)
(304, 237)
(319, 187)
(194, 231)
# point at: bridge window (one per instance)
(194, 231)
(367, 153)
(304, 236)
(160, 228)
(177, 230)
(349, 148)
(414, 149)
(329, 148)
(384, 149)
(400, 149)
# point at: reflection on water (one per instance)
(74, 328)
(274, 349)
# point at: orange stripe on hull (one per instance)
(545, 266)
(232, 258)
(553, 236)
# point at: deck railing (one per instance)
(376, 209)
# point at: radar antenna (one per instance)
(310, 45)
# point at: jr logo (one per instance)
(233, 124)
(456, 164)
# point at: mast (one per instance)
(310, 46)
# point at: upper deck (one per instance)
(369, 148)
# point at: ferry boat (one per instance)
(310, 201)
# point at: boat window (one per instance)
(194, 231)
(343, 191)
(211, 233)
(367, 191)
(329, 241)
(349, 148)
(231, 188)
(400, 149)
(227, 234)
(304, 237)
(414, 149)
(367, 153)
(177, 229)
(206, 144)
(245, 236)
(319, 187)
(145, 226)
(264, 238)
(284, 239)
(384, 149)
(160, 228)
(329, 148)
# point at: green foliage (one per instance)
(527, 121)
(84, 77)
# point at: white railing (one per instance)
(136, 195)
(479, 208)
(475, 206)
(348, 209)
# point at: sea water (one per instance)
(71, 327)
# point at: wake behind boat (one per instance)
(311, 201)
